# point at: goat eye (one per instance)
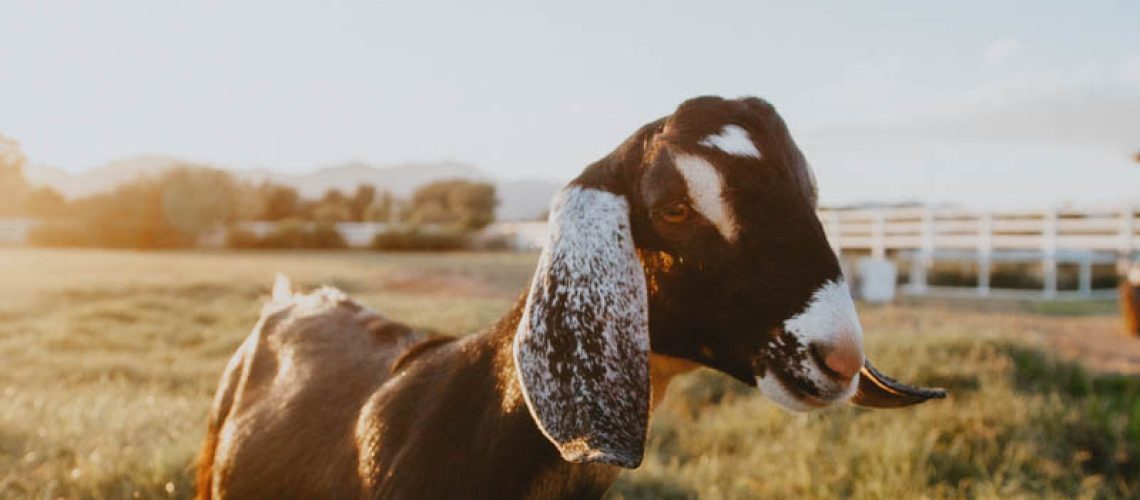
(675, 213)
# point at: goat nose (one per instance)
(843, 359)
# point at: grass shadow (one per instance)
(1095, 425)
(1107, 431)
(179, 485)
(654, 488)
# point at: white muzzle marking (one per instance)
(830, 319)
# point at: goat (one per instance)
(1130, 300)
(696, 242)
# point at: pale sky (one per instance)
(976, 103)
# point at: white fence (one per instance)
(531, 235)
(1083, 237)
(15, 231)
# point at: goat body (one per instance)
(327, 399)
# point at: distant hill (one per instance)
(518, 200)
(400, 179)
(100, 179)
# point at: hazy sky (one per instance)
(990, 103)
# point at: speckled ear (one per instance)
(582, 345)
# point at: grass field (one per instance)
(108, 361)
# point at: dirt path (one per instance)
(1092, 334)
(1099, 343)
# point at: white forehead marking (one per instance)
(1134, 274)
(830, 317)
(706, 190)
(732, 140)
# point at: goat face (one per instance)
(746, 269)
(701, 228)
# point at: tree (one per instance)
(459, 204)
(334, 195)
(332, 207)
(130, 216)
(12, 183)
(167, 211)
(196, 199)
(383, 209)
(278, 202)
(361, 200)
(43, 203)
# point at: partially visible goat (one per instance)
(1130, 300)
(694, 243)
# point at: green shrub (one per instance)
(60, 234)
(237, 237)
(419, 240)
(289, 234)
(490, 242)
(325, 236)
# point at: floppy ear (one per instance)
(582, 345)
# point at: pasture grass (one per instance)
(108, 362)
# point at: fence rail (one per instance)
(14, 231)
(1084, 237)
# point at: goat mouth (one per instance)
(793, 382)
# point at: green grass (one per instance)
(110, 360)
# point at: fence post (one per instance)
(922, 258)
(985, 251)
(1085, 277)
(1126, 247)
(878, 235)
(1049, 253)
(835, 233)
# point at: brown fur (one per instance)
(223, 402)
(316, 404)
(1130, 307)
(315, 352)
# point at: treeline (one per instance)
(17, 198)
(175, 209)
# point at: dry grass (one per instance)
(110, 360)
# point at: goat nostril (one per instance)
(842, 361)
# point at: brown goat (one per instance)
(333, 446)
(694, 243)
